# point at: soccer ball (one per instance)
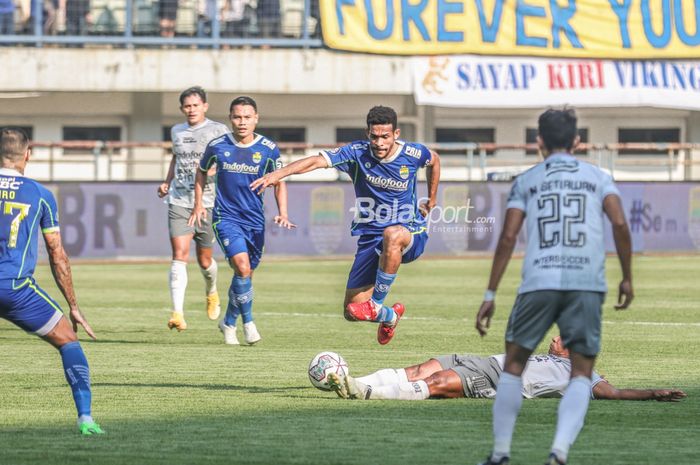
(322, 365)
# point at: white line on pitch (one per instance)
(424, 318)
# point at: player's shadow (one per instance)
(208, 387)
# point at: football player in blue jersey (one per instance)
(26, 207)
(389, 220)
(238, 217)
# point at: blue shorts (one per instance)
(369, 248)
(234, 239)
(29, 307)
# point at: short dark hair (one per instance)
(243, 100)
(557, 128)
(195, 90)
(13, 143)
(382, 115)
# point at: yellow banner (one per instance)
(554, 28)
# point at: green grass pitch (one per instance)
(169, 398)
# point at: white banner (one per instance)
(486, 81)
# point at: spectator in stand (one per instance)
(206, 11)
(269, 18)
(167, 13)
(235, 16)
(52, 11)
(7, 17)
(77, 16)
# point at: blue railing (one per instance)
(168, 23)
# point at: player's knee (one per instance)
(439, 380)
(438, 384)
(241, 269)
(394, 237)
(61, 334)
(413, 373)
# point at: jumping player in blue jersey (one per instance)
(27, 206)
(238, 217)
(390, 222)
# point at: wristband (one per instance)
(489, 295)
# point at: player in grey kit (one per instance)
(189, 141)
(563, 202)
(450, 376)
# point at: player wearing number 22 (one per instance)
(563, 202)
(25, 207)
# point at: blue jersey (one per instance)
(385, 190)
(237, 166)
(25, 206)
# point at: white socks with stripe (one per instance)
(210, 277)
(572, 412)
(416, 390)
(384, 377)
(178, 284)
(509, 398)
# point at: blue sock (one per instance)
(385, 315)
(77, 373)
(243, 288)
(232, 310)
(381, 286)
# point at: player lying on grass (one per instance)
(450, 376)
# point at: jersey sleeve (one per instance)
(342, 157)
(274, 162)
(48, 219)
(516, 198)
(608, 187)
(426, 158)
(209, 156)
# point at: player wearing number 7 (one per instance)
(562, 201)
(25, 206)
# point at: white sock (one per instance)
(509, 398)
(178, 285)
(572, 412)
(384, 377)
(417, 390)
(84, 419)
(210, 276)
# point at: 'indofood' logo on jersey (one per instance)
(403, 172)
(387, 183)
(257, 157)
(241, 168)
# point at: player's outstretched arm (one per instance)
(60, 268)
(432, 173)
(504, 249)
(298, 167)
(623, 244)
(164, 188)
(606, 391)
(198, 212)
(281, 198)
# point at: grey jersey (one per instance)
(547, 376)
(562, 198)
(189, 143)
